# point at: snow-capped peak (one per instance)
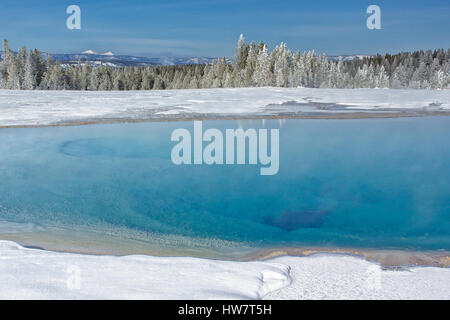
(89, 52)
(109, 53)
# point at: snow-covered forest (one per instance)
(253, 66)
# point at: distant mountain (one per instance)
(110, 59)
(349, 57)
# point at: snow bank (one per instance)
(324, 276)
(58, 107)
(37, 274)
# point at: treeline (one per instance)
(253, 66)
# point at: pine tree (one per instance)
(281, 66)
(20, 62)
(85, 75)
(240, 59)
(420, 76)
(253, 66)
(39, 66)
(29, 82)
(381, 79)
(56, 77)
(228, 78)
(13, 82)
(262, 76)
(146, 80)
(250, 66)
(321, 72)
(118, 82)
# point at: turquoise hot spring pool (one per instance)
(370, 183)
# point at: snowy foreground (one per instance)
(37, 274)
(23, 108)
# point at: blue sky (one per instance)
(211, 28)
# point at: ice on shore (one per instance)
(326, 276)
(38, 274)
(22, 108)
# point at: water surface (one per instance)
(379, 183)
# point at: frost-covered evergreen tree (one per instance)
(30, 72)
(240, 58)
(381, 78)
(281, 66)
(250, 66)
(13, 74)
(146, 80)
(253, 65)
(420, 76)
(262, 76)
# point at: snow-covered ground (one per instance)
(37, 274)
(326, 276)
(21, 108)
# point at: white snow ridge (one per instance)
(24, 108)
(38, 274)
(89, 52)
